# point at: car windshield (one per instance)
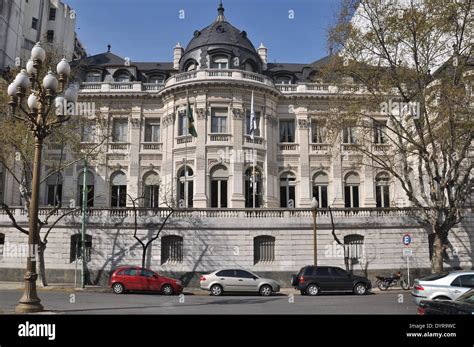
(467, 298)
(434, 277)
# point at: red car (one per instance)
(133, 278)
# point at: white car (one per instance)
(237, 280)
(444, 286)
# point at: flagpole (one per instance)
(186, 153)
(252, 124)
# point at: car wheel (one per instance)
(167, 289)
(312, 290)
(441, 298)
(118, 288)
(360, 289)
(265, 290)
(216, 290)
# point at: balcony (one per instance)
(183, 141)
(319, 148)
(220, 138)
(119, 147)
(152, 146)
(381, 147)
(119, 87)
(257, 140)
(349, 147)
(288, 147)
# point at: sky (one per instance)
(147, 30)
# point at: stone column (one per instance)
(134, 160)
(200, 163)
(304, 196)
(237, 160)
(368, 198)
(336, 197)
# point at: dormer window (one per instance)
(122, 76)
(249, 66)
(220, 62)
(283, 80)
(157, 79)
(94, 77)
(190, 66)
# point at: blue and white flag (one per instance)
(253, 120)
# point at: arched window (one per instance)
(89, 187)
(219, 62)
(157, 79)
(320, 189)
(351, 190)
(94, 76)
(353, 249)
(382, 191)
(122, 76)
(287, 190)
(119, 190)
(2, 243)
(171, 249)
(76, 247)
(190, 66)
(253, 184)
(250, 66)
(2, 183)
(151, 190)
(185, 187)
(283, 80)
(54, 189)
(219, 178)
(263, 249)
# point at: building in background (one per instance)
(23, 23)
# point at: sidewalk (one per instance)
(69, 287)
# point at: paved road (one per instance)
(109, 303)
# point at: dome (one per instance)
(220, 35)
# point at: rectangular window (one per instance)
(54, 194)
(90, 195)
(351, 196)
(120, 130)
(248, 125)
(318, 132)
(219, 120)
(152, 196)
(119, 196)
(287, 130)
(152, 130)
(382, 196)
(219, 193)
(52, 13)
(348, 135)
(320, 192)
(34, 23)
(182, 124)
(50, 36)
(88, 133)
(379, 133)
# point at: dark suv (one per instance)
(311, 280)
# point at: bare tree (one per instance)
(391, 54)
(167, 199)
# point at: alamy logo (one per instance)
(37, 330)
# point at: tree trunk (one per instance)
(437, 253)
(41, 264)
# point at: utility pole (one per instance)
(83, 226)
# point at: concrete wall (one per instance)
(210, 243)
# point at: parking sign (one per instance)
(406, 239)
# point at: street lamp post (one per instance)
(44, 96)
(314, 208)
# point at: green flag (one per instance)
(191, 128)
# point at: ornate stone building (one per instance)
(217, 72)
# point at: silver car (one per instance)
(237, 280)
(444, 286)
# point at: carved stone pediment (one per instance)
(237, 113)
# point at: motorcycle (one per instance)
(397, 279)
